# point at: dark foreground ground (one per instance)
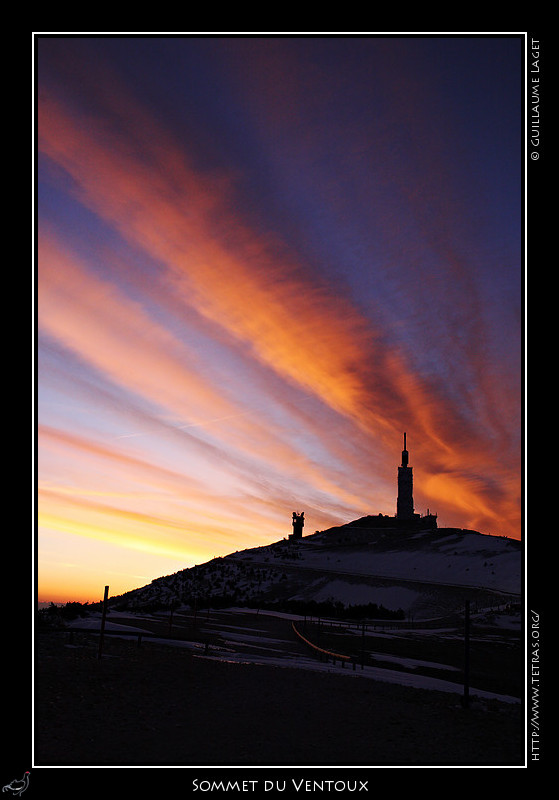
(158, 706)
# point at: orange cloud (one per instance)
(312, 339)
(118, 338)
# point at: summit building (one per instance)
(405, 513)
(405, 517)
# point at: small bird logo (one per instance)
(17, 787)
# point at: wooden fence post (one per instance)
(466, 698)
(105, 598)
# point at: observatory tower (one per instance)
(404, 505)
(298, 523)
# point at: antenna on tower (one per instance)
(404, 454)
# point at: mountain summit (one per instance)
(417, 572)
(385, 565)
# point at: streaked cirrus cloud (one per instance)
(203, 372)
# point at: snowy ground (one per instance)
(459, 558)
(248, 636)
(349, 594)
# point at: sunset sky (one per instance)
(260, 260)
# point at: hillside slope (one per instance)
(420, 573)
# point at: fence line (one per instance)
(129, 635)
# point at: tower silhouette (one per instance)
(404, 504)
(298, 523)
